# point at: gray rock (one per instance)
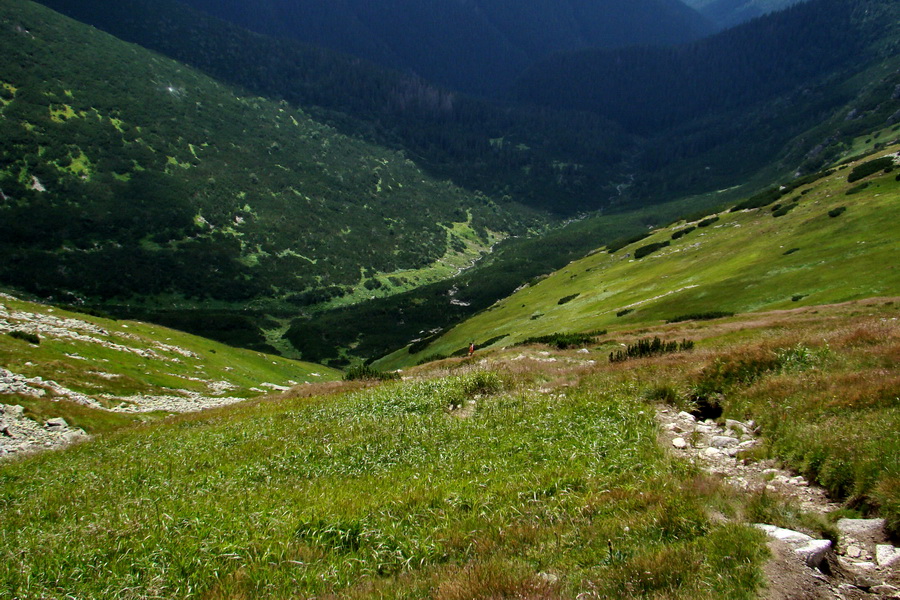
(861, 529)
(723, 441)
(679, 443)
(885, 590)
(886, 555)
(57, 423)
(735, 426)
(686, 416)
(813, 553)
(794, 538)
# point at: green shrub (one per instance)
(649, 347)
(759, 200)
(707, 222)
(798, 297)
(565, 340)
(565, 299)
(871, 167)
(856, 189)
(836, 212)
(624, 311)
(789, 252)
(31, 338)
(366, 372)
(784, 210)
(649, 249)
(682, 232)
(616, 245)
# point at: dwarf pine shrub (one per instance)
(649, 347)
(31, 338)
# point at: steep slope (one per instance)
(558, 162)
(470, 46)
(126, 178)
(728, 13)
(100, 374)
(827, 241)
(748, 91)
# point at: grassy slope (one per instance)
(92, 369)
(537, 479)
(738, 264)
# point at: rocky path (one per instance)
(863, 564)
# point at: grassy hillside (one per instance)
(106, 373)
(535, 474)
(126, 178)
(746, 260)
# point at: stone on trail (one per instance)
(810, 550)
(679, 443)
(723, 441)
(886, 555)
(686, 416)
(57, 423)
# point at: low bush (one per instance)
(616, 245)
(563, 341)
(624, 311)
(707, 222)
(366, 372)
(31, 338)
(649, 347)
(870, 168)
(789, 252)
(784, 210)
(649, 249)
(682, 232)
(836, 212)
(565, 299)
(856, 189)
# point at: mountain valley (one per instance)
(450, 300)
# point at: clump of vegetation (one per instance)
(649, 249)
(624, 311)
(563, 341)
(783, 210)
(836, 212)
(620, 243)
(789, 252)
(682, 232)
(798, 297)
(857, 188)
(701, 316)
(871, 167)
(566, 299)
(31, 338)
(367, 372)
(649, 347)
(707, 222)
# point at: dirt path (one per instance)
(863, 565)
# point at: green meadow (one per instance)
(745, 261)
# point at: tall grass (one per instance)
(380, 492)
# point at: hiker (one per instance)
(471, 348)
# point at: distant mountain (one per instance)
(474, 46)
(728, 13)
(744, 92)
